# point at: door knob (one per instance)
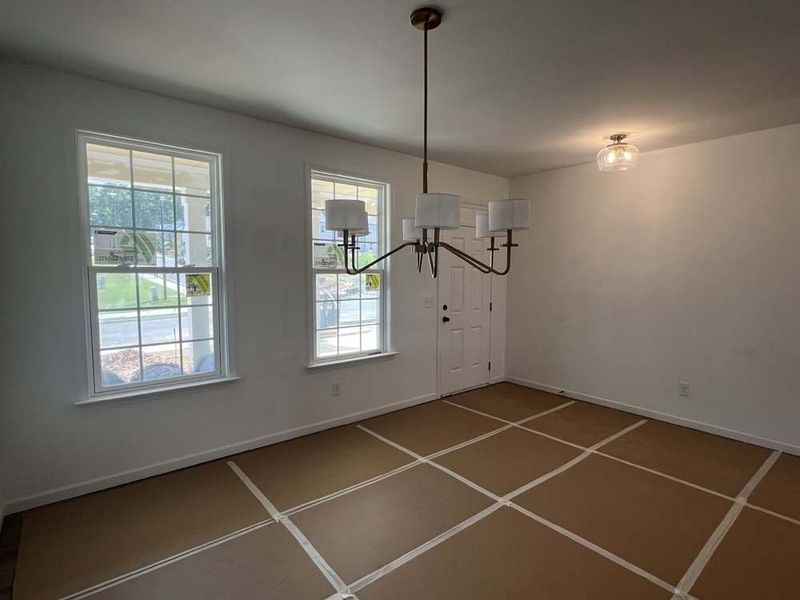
(445, 319)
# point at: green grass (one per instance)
(119, 291)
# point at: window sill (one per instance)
(346, 362)
(138, 393)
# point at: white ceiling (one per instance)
(516, 86)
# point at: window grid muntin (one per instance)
(379, 326)
(180, 341)
(215, 302)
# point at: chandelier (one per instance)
(435, 211)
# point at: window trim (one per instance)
(384, 222)
(220, 297)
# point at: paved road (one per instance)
(154, 330)
(121, 332)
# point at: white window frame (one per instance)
(219, 297)
(384, 328)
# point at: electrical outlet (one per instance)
(337, 389)
(430, 302)
(683, 389)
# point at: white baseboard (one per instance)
(497, 378)
(661, 416)
(101, 483)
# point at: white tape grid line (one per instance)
(506, 498)
(431, 543)
(664, 475)
(521, 425)
(477, 412)
(344, 491)
(501, 501)
(518, 491)
(773, 513)
(758, 476)
(715, 539)
(327, 571)
(544, 412)
(502, 420)
(598, 549)
(418, 459)
(104, 585)
(586, 454)
(423, 460)
(426, 459)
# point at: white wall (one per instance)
(686, 268)
(52, 448)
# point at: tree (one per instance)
(114, 207)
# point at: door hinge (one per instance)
(490, 365)
(490, 307)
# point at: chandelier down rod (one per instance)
(425, 113)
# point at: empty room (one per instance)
(385, 300)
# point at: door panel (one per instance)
(456, 350)
(475, 345)
(456, 308)
(464, 341)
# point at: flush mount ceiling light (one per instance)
(618, 155)
(435, 211)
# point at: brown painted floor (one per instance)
(503, 492)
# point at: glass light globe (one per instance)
(617, 156)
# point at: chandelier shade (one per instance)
(360, 232)
(442, 211)
(482, 228)
(411, 233)
(363, 224)
(346, 214)
(511, 214)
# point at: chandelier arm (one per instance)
(357, 270)
(433, 252)
(353, 247)
(508, 246)
(482, 267)
(346, 252)
(508, 263)
(492, 249)
(348, 249)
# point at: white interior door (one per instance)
(464, 318)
